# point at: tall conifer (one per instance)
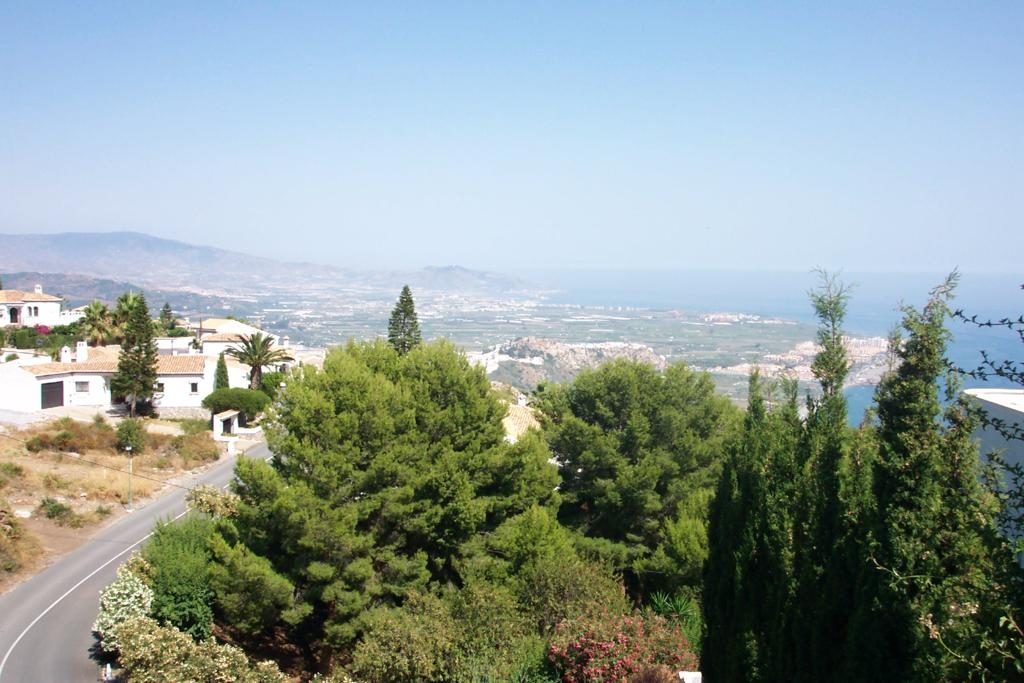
(403, 327)
(933, 543)
(220, 377)
(136, 365)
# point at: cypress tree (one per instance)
(933, 548)
(136, 365)
(826, 556)
(403, 327)
(748, 575)
(220, 377)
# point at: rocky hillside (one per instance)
(525, 362)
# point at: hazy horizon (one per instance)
(503, 137)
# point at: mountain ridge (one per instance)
(157, 262)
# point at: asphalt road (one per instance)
(46, 622)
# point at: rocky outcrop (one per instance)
(527, 361)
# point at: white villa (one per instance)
(185, 374)
(33, 308)
(82, 378)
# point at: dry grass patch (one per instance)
(77, 463)
(69, 477)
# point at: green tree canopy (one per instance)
(220, 377)
(403, 326)
(387, 470)
(634, 447)
(97, 323)
(166, 318)
(135, 378)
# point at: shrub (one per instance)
(417, 642)
(61, 513)
(53, 481)
(179, 561)
(11, 356)
(683, 609)
(564, 587)
(131, 432)
(10, 469)
(151, 652)
(194, 426)
(39, 442)
(212, 501)
(611, 647)
(10, 533)
(270, 383)
(127, 598)
(248, 401)
(62, 440)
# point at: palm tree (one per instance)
(256, 351)
(126, 303)
(97, 323)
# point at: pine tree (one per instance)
(166, 318)
(403, 327)
(220, 378)
(136, 366)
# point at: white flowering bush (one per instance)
(212, 501)
(128, 597)
(151, 653)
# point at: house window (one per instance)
(82, 387)
(194, 387)
(160, 387)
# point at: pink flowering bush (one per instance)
(614, 647)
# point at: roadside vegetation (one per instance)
(72, 475)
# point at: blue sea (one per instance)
(873, 310)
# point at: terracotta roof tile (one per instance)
(14, 296)
(46, 369)
(180, 365)
(165, 365)
(222, 337)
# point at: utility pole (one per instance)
(129, 449)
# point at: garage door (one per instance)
(53, 394)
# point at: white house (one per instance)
(1007, 406)
(83, 379)
(218, 335)
(33, 308)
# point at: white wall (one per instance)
(175, 345)
(49, 314)
(97, 389)
(18, 389)
(178, 392)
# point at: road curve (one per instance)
(46, 622)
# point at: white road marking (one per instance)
(70, 591)
(77, 585)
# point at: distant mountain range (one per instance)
(160, 264)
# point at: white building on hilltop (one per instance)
(82, 378)
(33, 308)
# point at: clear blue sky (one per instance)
(884, 136)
